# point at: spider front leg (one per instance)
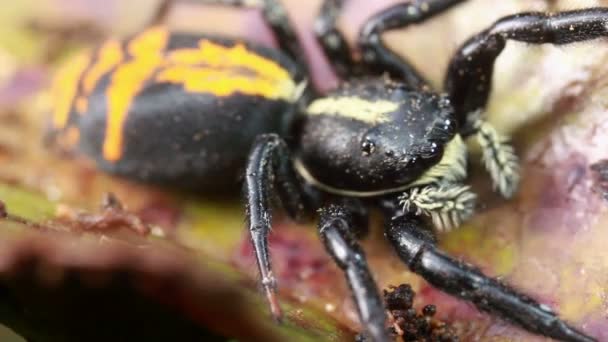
(269, 169)
(469, 78)
(378, 57)
(337, 230)
(416, 247)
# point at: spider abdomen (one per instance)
(174, 108)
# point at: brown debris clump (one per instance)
(112, 215)
(411, 325)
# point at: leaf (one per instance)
(59, 283)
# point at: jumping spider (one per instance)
(184, 109)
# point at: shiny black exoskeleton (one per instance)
(382, 148)
(385, 139)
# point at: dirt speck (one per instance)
(408, 324)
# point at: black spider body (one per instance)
(185, 131)
(202, 112)
(373, 137)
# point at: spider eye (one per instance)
(368, 147)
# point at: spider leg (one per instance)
(332, 41)
(336, 228)
(268, 170)
(378, 57)
(469, 77)
(161, 13)
(416, 247)
(274, 14)
(164, 7)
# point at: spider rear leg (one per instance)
(164, 7)
(332, 40)
(337, 230)
(469, 77)
(269, 170)
(416, 248)
(161, 13)
(274, 14)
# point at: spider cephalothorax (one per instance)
(183, 109)
(374, 136)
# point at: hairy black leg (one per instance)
(332, 41)
(377, 56)
(416, 247)
(469, 75)
(161, 13)
(337, 230)
(274, 14)
(269, 169)
(164, 7)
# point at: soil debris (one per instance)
(112, 215)
(408, 324)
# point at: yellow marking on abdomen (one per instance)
(216, 64)
(224, 82)
(372, 112)
(211, 68)
(109, 56)
(65, 89)
(127, 81)
(216, 55)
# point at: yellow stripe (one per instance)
(225, 82)
(372, 112)
(126, 83)
(200, 70)
(211, 68)
(216, 55)
(108, 57)
(65, 89)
